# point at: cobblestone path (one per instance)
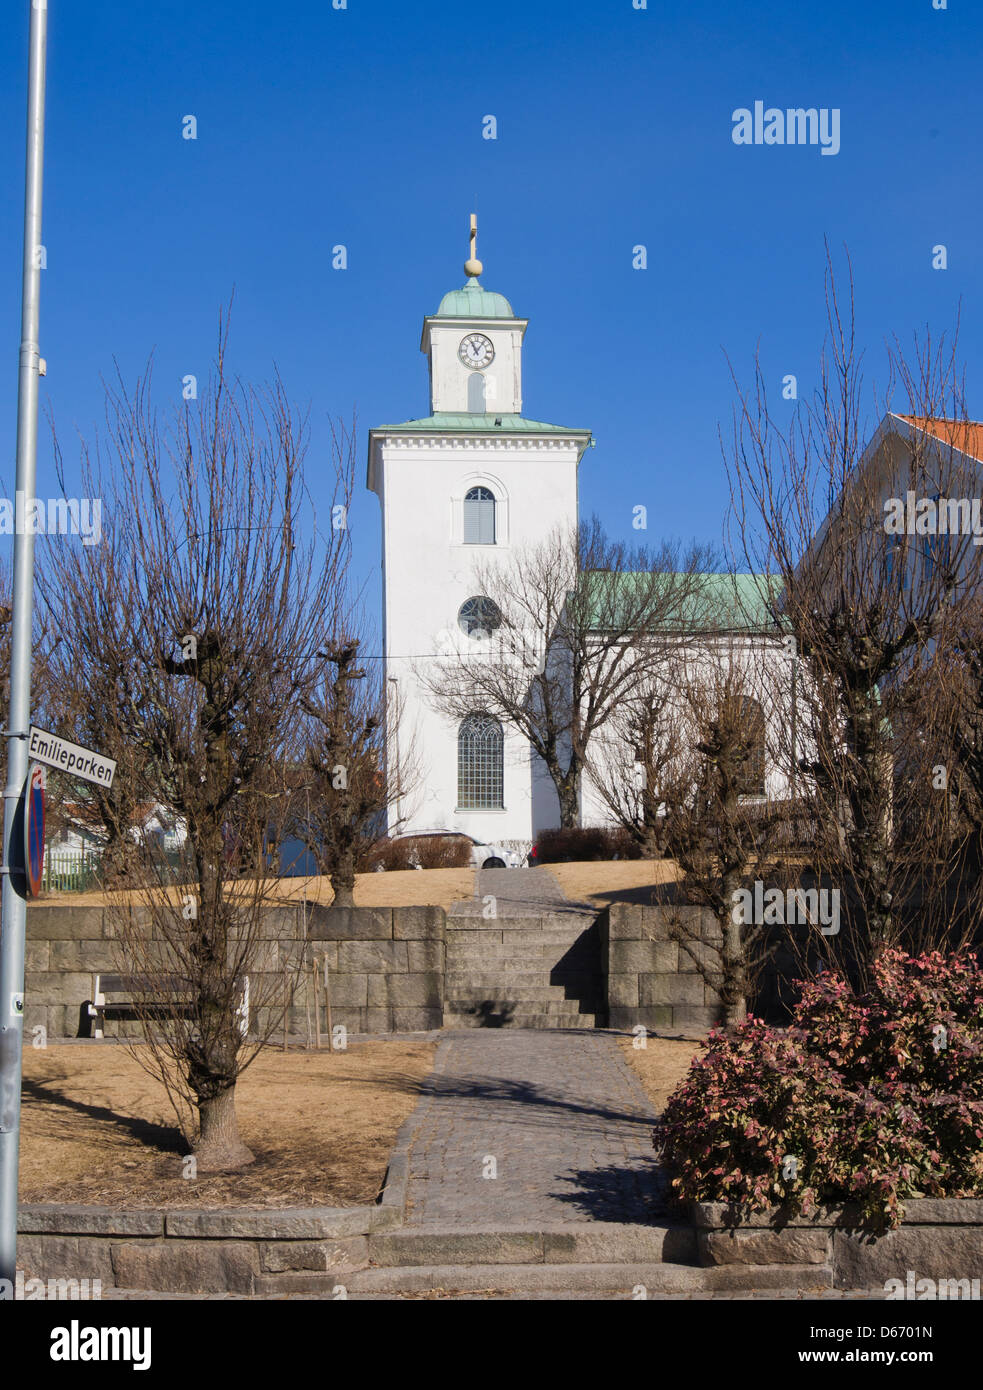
(519, 893)
(530, 1126)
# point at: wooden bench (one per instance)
(172, 991)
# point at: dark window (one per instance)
(752, 778)
(479, 617)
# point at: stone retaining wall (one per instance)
(315, 1249)
(235, 1251)
(939, 1239)
(385, 965)
(651, 979)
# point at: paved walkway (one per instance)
(519, 893)
(566, 1123)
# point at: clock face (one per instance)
(476, 351)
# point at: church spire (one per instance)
(472, 266)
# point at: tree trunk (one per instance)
(733, 988)
(566, 791)
(117, 859)
(872, 829)
(342, 870)
(219, 1148)
(343, 889)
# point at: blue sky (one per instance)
(363, 127)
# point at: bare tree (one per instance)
(564, 642)
(357, 767)
(90, 689)
(636, 762)
(866, 607)
(224, 605)
(722, 833)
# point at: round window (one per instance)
(479, 617)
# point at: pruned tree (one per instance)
(356, 765)
(721, 831)
(564, 641)
(943, 757)
(865, 603)
(636, 763)
(91, 685)
(224, 603)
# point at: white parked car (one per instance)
(483, 855)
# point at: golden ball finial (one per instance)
(473, 267)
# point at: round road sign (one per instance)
(34, 828)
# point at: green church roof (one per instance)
(490, 422)
(714, 603)
(473, 302)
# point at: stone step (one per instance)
(571, 1243)
(525, 945)
(518, 926)
(577, 962)
(559, 1005)
(518, 1018)
(545, 999)
(526, 950)
(502, 941)
(524, 961)
(627, 1279)
(516, 981)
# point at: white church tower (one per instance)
(470, 482)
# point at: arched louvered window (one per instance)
(479, 516)
(752, 781)
(480, 763)
(476, 393)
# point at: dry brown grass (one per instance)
(400, 888)
(616, 880)
(97, 1129)
(660, 1065)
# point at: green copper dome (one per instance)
(473, 302)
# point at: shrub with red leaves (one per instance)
(873, 1097)
(585, 843)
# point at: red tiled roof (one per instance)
(964, 435)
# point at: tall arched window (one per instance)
(480, 763)
(752, 780)
(479, 516)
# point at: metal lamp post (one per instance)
(13, 906)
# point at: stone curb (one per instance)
(286, 1223)
(571, 1243)
(396, 1182)
(297, 1040)
(668, 1278)
(57, 1218)
(918, 1211)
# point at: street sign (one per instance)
(34, 828)
(71, 758)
